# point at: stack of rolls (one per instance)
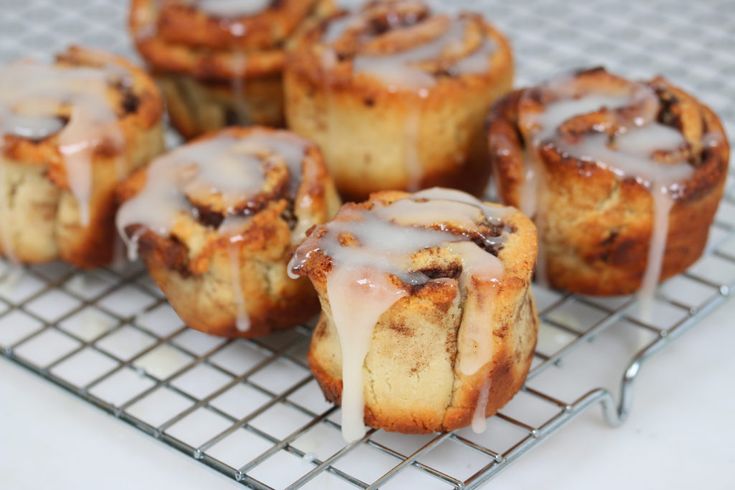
(219, 62)
(396, 95)
(427, 319)
(69, 131)
(216, 221)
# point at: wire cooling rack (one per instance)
(250, 409)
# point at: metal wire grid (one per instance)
(250, 409)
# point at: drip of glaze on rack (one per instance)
(630, 154)
(372, 252)
(231, 169)
(406, 69)
(40, 101)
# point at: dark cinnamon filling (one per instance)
(129, 100)
(490, 237)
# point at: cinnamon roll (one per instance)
(219, 62)
(396, 95)
(69, 131)
(216, 221)
(623, 177)
(428, 323)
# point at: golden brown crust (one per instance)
(507, 375)
(363, 124)
(193, 265)
(598, 227)
(412, 382)
(44, 216)
(217, 72)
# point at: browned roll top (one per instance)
(183, 36)
(623, 177)
(408, 33)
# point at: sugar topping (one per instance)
(374, 254)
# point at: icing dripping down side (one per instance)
(479, 419)
(414, 167)
(372, 252)
(355, 321)
(662, 204)
(239, 65)
(242, 320)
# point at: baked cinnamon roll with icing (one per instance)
(219, 62)
(69, 131)
(623, 177)
(396, 95)
(428, 323)
(216, 222)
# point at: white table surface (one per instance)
(680, 434)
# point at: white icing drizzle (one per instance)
(368, 277)
(242, 321)
(662, 204)
(232, 167)
(31, 96)
(532, 189)
(230, 9)
(355, 321)
(239, 65)
(479, 418)
(629, 156)
(414, 166)
(400, 70)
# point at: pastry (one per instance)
(623, 177)
(216, 221)
(428, 323)
(219, 62)
(69, 131)
(396, 96)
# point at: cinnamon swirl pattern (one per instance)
(219, 62)
(428, 323)
(623, 177)
(69, 131)
(395, 95)
(216, 221)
